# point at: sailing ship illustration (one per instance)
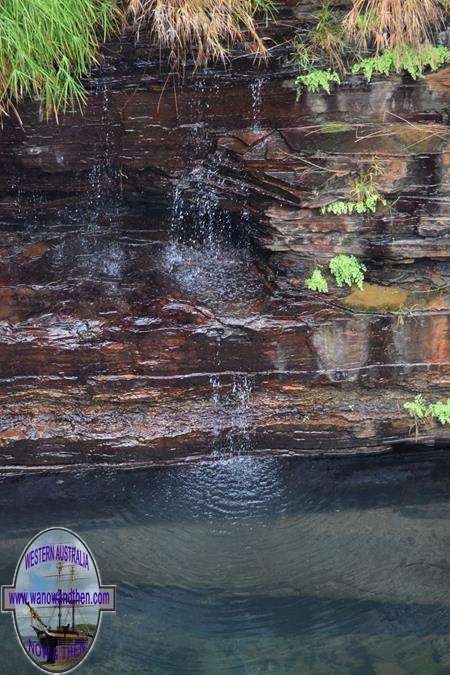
(70, 640)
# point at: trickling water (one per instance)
(200, 256)
(232, 414)
(102, 204)
(27, 203)
(256, 94)
(241, 416)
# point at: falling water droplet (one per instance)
(256, 93)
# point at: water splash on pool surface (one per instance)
(232, 414)
(201, 257)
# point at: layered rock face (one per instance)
(154, 254)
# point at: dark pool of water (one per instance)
(250, 565)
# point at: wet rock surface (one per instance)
(153, 258)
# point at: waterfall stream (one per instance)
(211, 270)
(256, 94)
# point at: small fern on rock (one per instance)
(404, 58)
(440, 411)
(347, 269)
(366, 197)
(317, 282)
(421, 413)
(316, 80)
(369, 203)
(416, 408)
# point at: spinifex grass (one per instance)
(206, 29)
(46, 46)
(389, 24)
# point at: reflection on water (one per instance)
(248, 565)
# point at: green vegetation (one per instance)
(398, 34)
(404, 58)
(390, 24)
(204, 29)
(347, 269)
(440, 411)
(46, 46)
(421, 412)
(324, 45)
(366, 197)
(266, 7)
(348, 206)
(317, 282)
(328, 38)
(320, 54)
(417, 408)
(316, 80)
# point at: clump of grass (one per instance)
(407, 58)
(325, 44)
(317, 282)
(206, 29)
(347, 269)
(320, 54)
(47, 46)
(328, 38)
(365, 195)
(389, 24)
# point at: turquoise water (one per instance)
(248, 565)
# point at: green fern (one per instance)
(440, 411)
(407, 58)
(316, 80)
(347, 269)
(420, 412)
(417, 408)
(340, 207)
(317, 282)
(366, 196)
